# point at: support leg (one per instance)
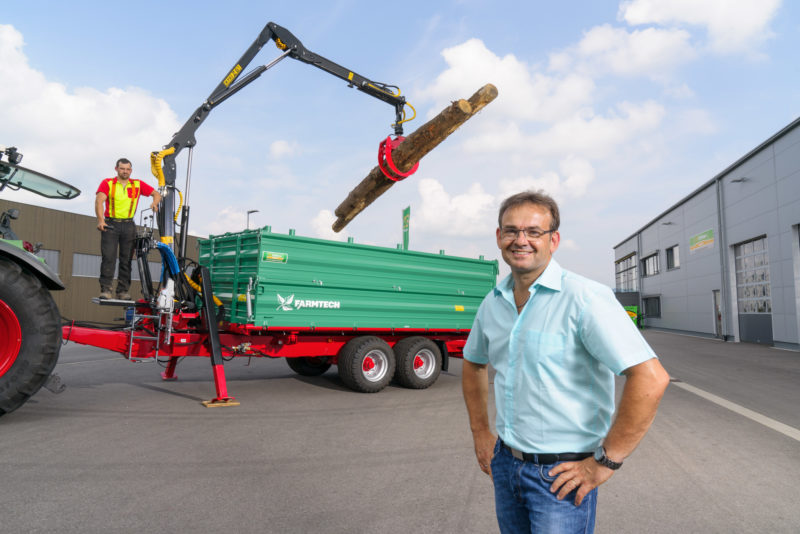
(169, 372)
(222, 398)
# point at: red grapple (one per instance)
(385, 159)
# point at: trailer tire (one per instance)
(419, 362)
(309, 365)
(30, 335)
(366, 364)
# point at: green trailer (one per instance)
(375, 312)
(283, 280)
(379, 314)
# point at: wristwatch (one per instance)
(601, 458)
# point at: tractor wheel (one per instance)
(30, 335)
(366, 364)
(419, 362)
(309, 365)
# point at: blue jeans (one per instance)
(524, 503)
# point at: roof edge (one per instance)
(783, 131)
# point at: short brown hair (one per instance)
(539, 198)
(122, 160)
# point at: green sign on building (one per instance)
(701, 240)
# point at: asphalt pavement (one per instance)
(122, 451)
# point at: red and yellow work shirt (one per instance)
(122, 201)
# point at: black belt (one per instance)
(118, 220)
(546, 458)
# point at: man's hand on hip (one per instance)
(583, 476)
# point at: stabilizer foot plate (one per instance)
(214, 403)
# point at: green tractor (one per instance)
(30, 324)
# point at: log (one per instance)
(410, 151)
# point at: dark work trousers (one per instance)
(119, 236)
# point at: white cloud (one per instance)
(680, 91)
(322, 223)
(523, 93)
(584, 134)
(651, 52)
(578, 174)
(227, 219)
(281, 149)
(466, 214)
(76, 134)
(599, 137)
(732, 26)
(695, 121)
(569, 244)
(572, 181)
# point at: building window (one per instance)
(673, 258)
(752, 276)
(51, 258)
(88, 265)
(652, 306)
(625, 270)
(650, 265)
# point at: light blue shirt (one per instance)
(556, 360)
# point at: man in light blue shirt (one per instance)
(556, 340)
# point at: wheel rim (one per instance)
(424, 363)
(10, 337)
(375, 365)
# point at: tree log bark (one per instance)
(410, 151)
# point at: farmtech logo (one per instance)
(289, 303)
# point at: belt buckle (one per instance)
(517, 454)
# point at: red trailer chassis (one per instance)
(174, 336)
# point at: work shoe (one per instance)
(105, 294)
(124, 296)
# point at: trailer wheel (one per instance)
(30, 335)
(419, 362)
(366, 364)
(309, 365)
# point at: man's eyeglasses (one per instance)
(510, 234)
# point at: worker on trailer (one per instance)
(115, 207)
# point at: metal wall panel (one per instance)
(52, 258)
(70, 233)
(760, 196)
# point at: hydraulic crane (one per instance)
(183, 317)
(163, 161)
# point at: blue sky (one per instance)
(618, 109)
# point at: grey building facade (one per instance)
(71, 246)
(725, 261)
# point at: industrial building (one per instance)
(70, 244)
(725, 260)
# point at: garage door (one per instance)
(753, 291)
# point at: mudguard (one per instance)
(33, 264)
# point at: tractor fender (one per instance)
(32, 264)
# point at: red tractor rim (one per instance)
(10, 337)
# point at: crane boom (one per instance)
(163, 162)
